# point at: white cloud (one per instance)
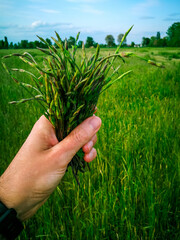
(38, 24)
(48, 26)
(16, 33)
(50, 11)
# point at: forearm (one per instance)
(38, 168)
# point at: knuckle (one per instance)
(78, 136)
(82, 135)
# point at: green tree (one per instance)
(102, 45)
(110, 40)
(37, 44)
(173, 33)
(31, 45)
(119, 38)
(11, 45)
(153, 42)
(145, 42)
(49, 41)
(158, 36)
(1, 44)
(24, 44)
(132, 44)
(71, 41)
(89, 42)
(95, 44)
(6, 44)
(80, 44)
(15, 46)
(164, 42)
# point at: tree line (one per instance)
(23, 44)
(172, 39)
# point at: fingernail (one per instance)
(95, 122)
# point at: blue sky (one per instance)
(24, 19)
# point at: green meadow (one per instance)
(132, 190)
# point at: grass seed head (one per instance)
(70, 87)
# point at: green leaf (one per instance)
(117, 79)
(124, 37)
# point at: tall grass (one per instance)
(132, 189)
(66, 87)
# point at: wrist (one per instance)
(10, 225)
(8, 195)
(7, 198)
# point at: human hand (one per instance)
(41, 163)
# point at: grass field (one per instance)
(132, 190)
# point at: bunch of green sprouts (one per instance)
(66, 89)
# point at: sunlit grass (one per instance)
(132, 189)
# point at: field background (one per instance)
(132, 189)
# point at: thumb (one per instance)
(82, 134)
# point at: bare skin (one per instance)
(41, 163)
